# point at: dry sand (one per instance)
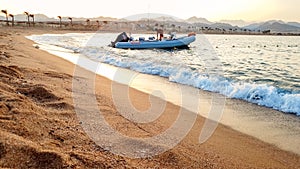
(39, 127)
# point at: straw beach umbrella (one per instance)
(88, 22)
(71, 21)
(12, 19)
(6, 15)
(59, 17)
(32, 16)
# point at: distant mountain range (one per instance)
(152, 16)
(275, 26)
(239, 23)
(194, 19)
(272, 25)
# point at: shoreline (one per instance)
(226, 148)
(251, 119)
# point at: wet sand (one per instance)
(40, 129)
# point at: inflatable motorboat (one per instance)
(125, 42)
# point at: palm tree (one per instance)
(71, 20)
(59, 17)
(32, 16)
(12, 19)
(27, 14)
(6, 14)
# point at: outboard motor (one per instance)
(141, 39)
(151, 38)
(173, 35)
(120, 38)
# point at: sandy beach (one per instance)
(40, 129)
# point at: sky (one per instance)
(213, 10)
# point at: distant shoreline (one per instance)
(133, 27)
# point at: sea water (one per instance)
(263, 70)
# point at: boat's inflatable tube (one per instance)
(149, 44)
